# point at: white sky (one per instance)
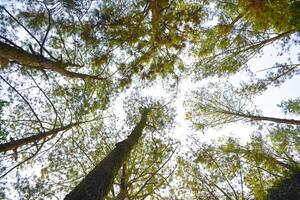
(267, 102)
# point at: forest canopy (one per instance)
(149, 99)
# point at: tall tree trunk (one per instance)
(19, 56)
(271, 40)
(96, 185)
(263, 118)
(273, 119)
(14, 144)
(123, 185)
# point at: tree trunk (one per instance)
(14, 144)
(19, 56)
(263, 118)
(123, 194)
(271, 40)
(96, 185)
(277, 120)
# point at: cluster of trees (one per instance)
(63, 63)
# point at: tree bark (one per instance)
(123, 194)
(19, 56)
(14, 144)
(263, 118)
(96, 185)
(277, 120)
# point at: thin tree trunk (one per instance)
(123, 185)
(258, 44)
(271, 40)
(263, 118)
(96, 185)
(277, 120)
(19, 56)
(14, 144)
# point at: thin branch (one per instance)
(154, 173)
(34, 113)
(223, 174)
(209, 184)
(22, 162)
(56, 113)
(18, 22)
(35, 138)
(10, 42)
(47, 31)
(83, 151)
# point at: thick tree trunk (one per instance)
(14, 144)
(96, 185)
(287, 188)
(13, 54)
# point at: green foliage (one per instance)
(215, 105)
(161, 116)
(277, 77)
(36, 20)
(285, 139)
(227, 167)
(109, 37)
(149, 165)
(291, 106)
(136, 42)
(240, 30)
(266, 15)
(295, 15)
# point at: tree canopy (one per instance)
(98, 96)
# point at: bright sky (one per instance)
(267, 102)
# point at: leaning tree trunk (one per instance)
(19, 56)
(97, 184)
(277, 120)
(15, 144)
(264, 118)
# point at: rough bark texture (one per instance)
(99, 181)
(14, 144)
(19, 56)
